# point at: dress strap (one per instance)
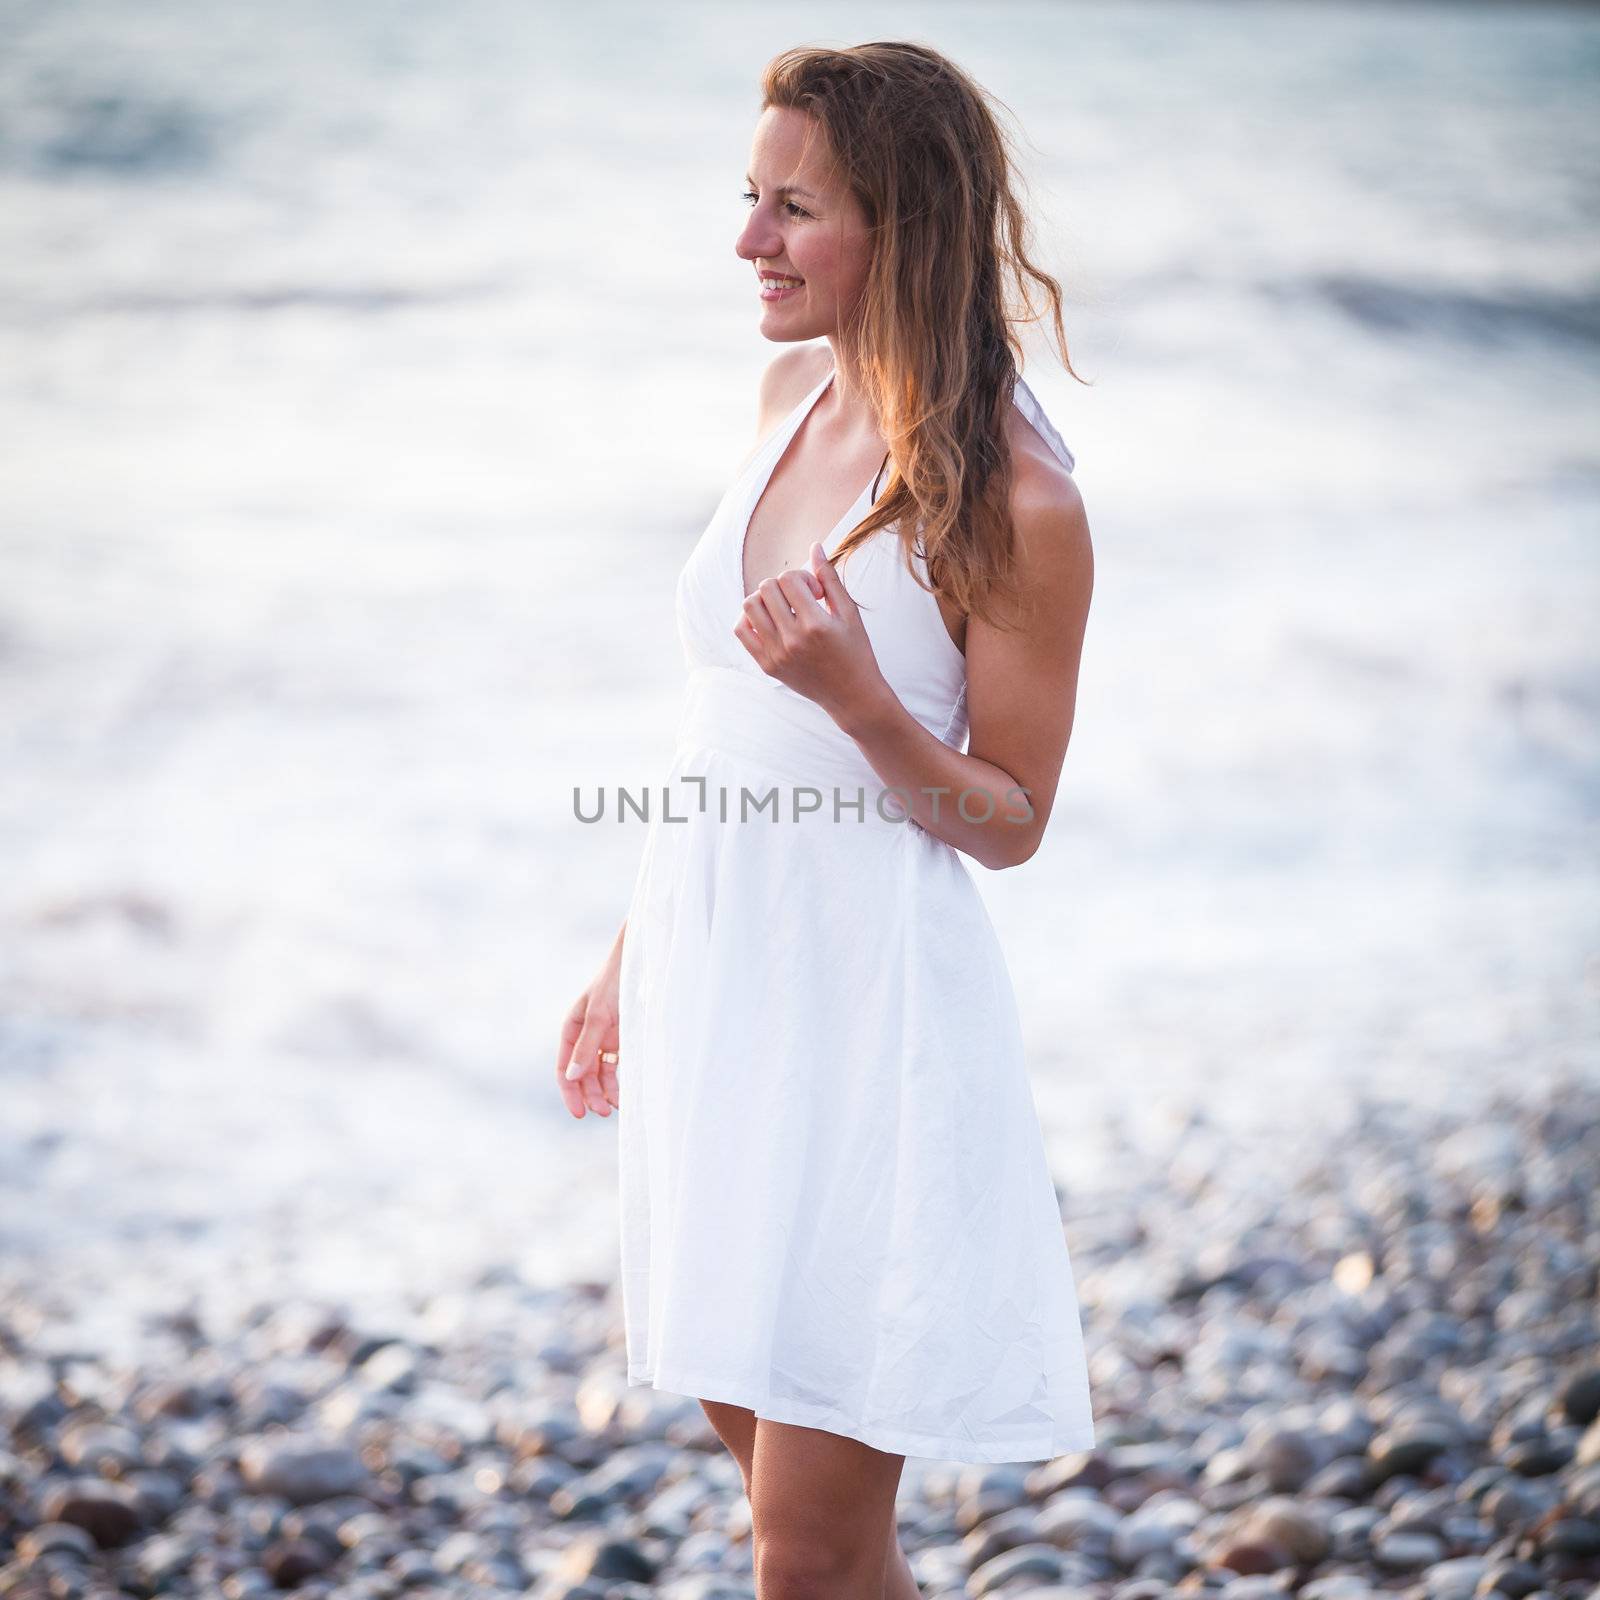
(1029, 405)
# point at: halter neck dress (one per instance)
(835, 1203)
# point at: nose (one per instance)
(758, 240)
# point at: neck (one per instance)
(847, 398)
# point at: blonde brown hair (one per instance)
(920, 146)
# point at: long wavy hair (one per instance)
(920, 145)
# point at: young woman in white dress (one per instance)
(851, 1257)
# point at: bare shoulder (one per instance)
(790, 374)
(1055, 554)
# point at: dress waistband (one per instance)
(782, 737)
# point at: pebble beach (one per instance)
(324, 588)
(1383, 1377)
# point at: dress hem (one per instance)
(900, 1441)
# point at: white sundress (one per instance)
(835, 1204)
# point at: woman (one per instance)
(839, 1231)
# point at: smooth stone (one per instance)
(1087, 1469)
(301, 1471)
(1345, 1478)
(983, 1491)
(1406, 1449)
(1078, 1519)
(628, 1473)
(696, 1586)
(501, 1570)
(1285, 1457)
(1026, 1561)
(536, 1433)
(1330, 1358)
(1336, 1586)
(394, 1367)
(366, 1527)
(1252, 1588)
(289, 1562)
(1538, 1458)
(1455, 1579)
(1155, 1527)
(55, 1538)
(1139, 1589)
(159, 1494)
(605, 1559)
(1295, 1526)
(1583, 1488)
(249, 1583)
(414, 1568)
(1155, 1455)
(1402, 1551)
(459, 1550)
(1000, 1533)
(98, 1447)
(1514, 1503)
(1250, 1557)
(165, 1557)
(1514, 1579)
(1579, 1398)
(1418, 1511)
(107, 1511)
(1575, 1537)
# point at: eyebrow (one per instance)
(787, 188)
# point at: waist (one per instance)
(780, 736)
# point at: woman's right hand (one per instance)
(589, 1028)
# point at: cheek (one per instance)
(851, 259)
(816, 260)
(841, 264)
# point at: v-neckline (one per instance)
(785, 438)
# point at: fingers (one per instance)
(779, 613)
(756, 631)
(792, 606)
(571, 1027)
(604, 1075)
(607, 1074)
(803, 593)
(782, 610)
(586, 1082)
(831, 584)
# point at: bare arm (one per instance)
(1021, 697)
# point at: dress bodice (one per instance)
(918, 658)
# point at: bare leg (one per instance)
(736, 1427)
(898, 1584)
(822, 1509)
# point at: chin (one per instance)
(782, 331)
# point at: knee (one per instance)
(791, 1568)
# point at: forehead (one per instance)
(790, 147)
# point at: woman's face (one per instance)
(805, 228)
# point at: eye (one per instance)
(750, 197)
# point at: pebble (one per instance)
(1382, 1379)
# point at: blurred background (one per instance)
(367, 373)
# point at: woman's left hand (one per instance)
(803, 628)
